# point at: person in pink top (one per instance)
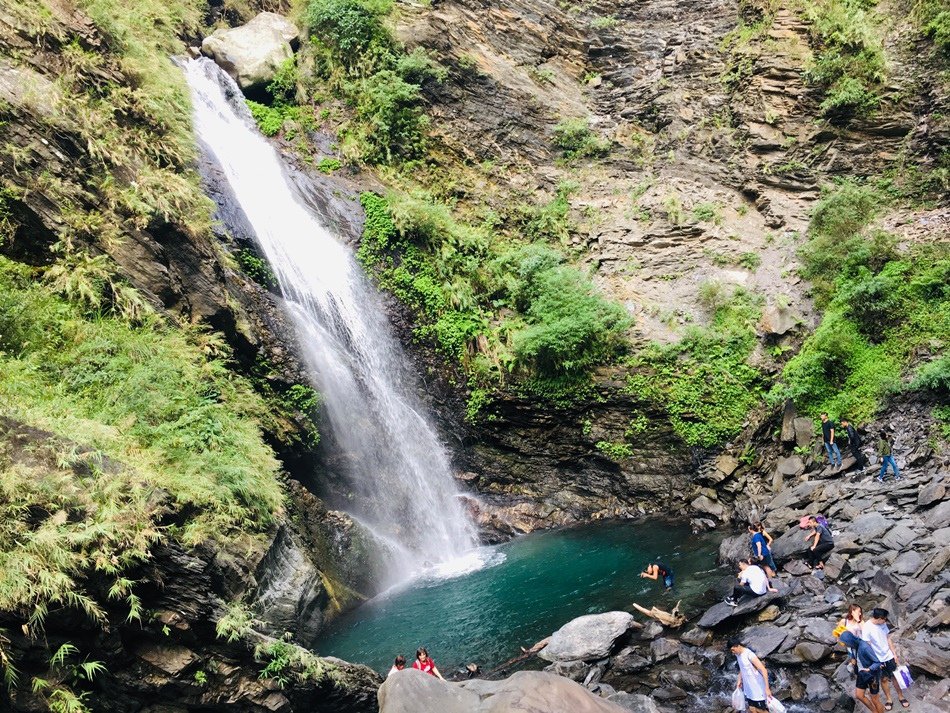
(425, 664)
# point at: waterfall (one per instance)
(398, 469)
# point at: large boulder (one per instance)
(587, 638)
(254, 52)
(524, 691)
(409, 691)
(719, 613)
(634, 702)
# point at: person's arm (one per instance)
(765, 675)
(831, 438)
(435, 670)
(758, 548)
(651, 573)
(890, 645)
(768, 538)
(739, 681)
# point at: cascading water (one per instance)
(398, 468)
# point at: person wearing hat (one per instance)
(877, 634)
(753, 677)
(869, 668)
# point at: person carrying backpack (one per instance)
(885, 447)
(854, 443)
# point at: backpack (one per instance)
(823, 521)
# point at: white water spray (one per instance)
(398, 468)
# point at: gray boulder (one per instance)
(409, 691)
(254, 52)
(764, 639)
(719, 613)
(931, 494)
(634, 702)
(525, 691)
(587, 637)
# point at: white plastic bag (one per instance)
(738, 699)
(775, 706)
(902, 677)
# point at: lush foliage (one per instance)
(555, 324)
(850, 63)
(882, 309)
(359, 59)
(933, 17)
(576, 139)
(704, 382)
(160, 400)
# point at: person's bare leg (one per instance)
(861, 695)
(886, 688)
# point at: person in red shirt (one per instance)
(425, 664)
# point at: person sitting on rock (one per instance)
(753, 582)
(822, 543)
(853, 622)
(761, 554)
(425, 664)
(398, 665)
(885, 447)
(753, 677)
(828, 440)
(877, 635)
(657, 569)
(854, 443)
(869, 670)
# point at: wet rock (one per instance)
(719, 613)
(695, 636)
(816, 687)
(810, 651)
(254, 52)
(709, 506)
(587, 637)
(662, 649)
(629, 660)
(734, 548)
(173, 660)
(634, 703)
(651, 630)
(689, 678)
(764, 639)
(574, 670)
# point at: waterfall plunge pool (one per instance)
(526, 590)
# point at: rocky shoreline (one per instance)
(892, 548)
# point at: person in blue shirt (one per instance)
(869, 668)
(761, 554)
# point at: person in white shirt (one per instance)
(876, 633)
(398, 665)
(753, 677)
(753, 582)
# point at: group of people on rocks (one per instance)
(871, 659)
(885, 446)
(422, 663)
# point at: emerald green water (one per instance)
(530, 587)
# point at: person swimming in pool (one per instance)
(656, 569)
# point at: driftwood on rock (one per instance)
(671, 619)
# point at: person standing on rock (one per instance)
(753, 582)
(853, 622)
(868, 671)
(425, 664)
(821, 545)
(657, 569)
(885, 447)
(753, 677)
(854, 443)
(761, 553)
(828, 440)
(877, 634)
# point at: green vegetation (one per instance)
(707, 213)
(256, 268)
(329, 165)
(933, 17)
(614, 451)
(882, 309)
(576, 140)
(704, 382)
(358, 59)
(556, 326)
(850, 64)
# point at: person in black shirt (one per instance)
(828, 439)
(822, 544)
(854, 443)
